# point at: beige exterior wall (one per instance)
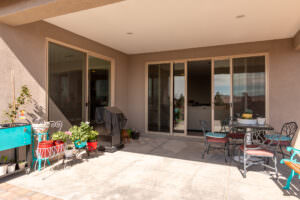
(284, 73)
(23, 50)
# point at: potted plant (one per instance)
(3, 165)
(80, 134)
(17, 103)
(11, 168)
(92, 140)
(60, 138)
(22, 164)
(69, 152)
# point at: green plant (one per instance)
(3, 160)
(83, 133)
(13, 108)
(63, 136)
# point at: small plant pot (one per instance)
(22, 165)
(3, 169)
(92, 145)
(44, 148)
(11, 168)
(135, 135)
(59, 146)
(69, 153)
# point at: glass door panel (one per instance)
(159, 97)
(178, 97)
(249, 86)
(66, 84)
(222, 92)
(99, 85)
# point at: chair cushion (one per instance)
(255, 150)
(283, 143)
(217, 140)
(236, 135)
(278, 137)
(215, 135)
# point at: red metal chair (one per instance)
(257, 150)
(217, 140)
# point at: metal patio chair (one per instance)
(285, 137)
(259, 152)
(217, 140)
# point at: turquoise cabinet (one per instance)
(15, 137)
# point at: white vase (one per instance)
(22, 165)
(3, 169)
(69, 153)
(261, 121)
(11, 168)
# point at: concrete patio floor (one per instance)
(158, 167)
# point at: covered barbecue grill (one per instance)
(109, 123)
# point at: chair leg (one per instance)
(275, 166)
(281, 151)
(288, 182)
(208, 145)
(205, 149)
(245, 166)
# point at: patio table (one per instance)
(265, 127)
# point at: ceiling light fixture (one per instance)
(129, 33)
(240, 16)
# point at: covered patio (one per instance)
(157, 167)
(183, 74)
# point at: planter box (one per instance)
(14, 137)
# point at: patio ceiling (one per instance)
(140, 26)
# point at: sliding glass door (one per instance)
(78, 85)
(239, 87)
(222, 93)
(179, 97)
(159, 97)
(99, 86)
(66, 87)
(249, 93)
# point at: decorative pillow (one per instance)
(278, 137)
(215, 135)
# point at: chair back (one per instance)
(204, 126)
(289, 129)
(257, 139)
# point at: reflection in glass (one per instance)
(249, 86)
(99, 85)
(178, 97)
(66, 72)
(221, 93)
(159, 97)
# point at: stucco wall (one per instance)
(284, 73)
(23, 50)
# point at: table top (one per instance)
(252, 126)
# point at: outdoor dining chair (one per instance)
(216, 140)
(285, 137)
(259, 152)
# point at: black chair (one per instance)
(285, 137)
